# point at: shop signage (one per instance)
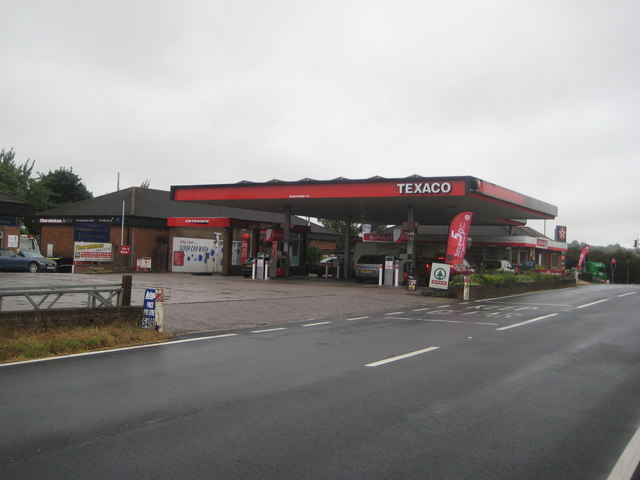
(377, 237)
(561, 233)
(423, 188)
(125, 250)
(401, 236)
(439, 276)
(541, 242)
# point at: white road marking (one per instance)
(628, 461)
(445, 321)
(625, 294)
(315, 324)
(527, 322)
(268, 330)
(394, 313)
(400, 357)
(356, 318)
(421, 309)
(593, 303)
(123, 349)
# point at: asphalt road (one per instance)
(541, 386)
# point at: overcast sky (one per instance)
(542, 97)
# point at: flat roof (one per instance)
(436, 200)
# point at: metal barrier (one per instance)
(98, 295)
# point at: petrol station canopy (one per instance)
(378, 200)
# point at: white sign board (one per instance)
(92, 252)
(439, 276)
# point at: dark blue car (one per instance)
(25, 261)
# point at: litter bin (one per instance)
(411, 283)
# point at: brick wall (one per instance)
(8, 230)
(62, 238)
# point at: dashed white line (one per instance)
(394, 313)
(537, 319)
(316, 324)
(356, 318)
(401, 357)
(445, 321)
(421, 309)
(593, 303)
(625, 294)
(268, 330)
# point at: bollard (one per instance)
(465, 291)
(380, 275)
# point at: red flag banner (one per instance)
(458, 234)
(583, 254)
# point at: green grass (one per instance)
(16, 345)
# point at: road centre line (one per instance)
(316, 324)
(401, 357)
(122, 349)
(625, 294)
(593, 303)
(527, 322)
(356, 318)
(268, 330)
(421, 309)
(393, 313)
(446, 321)
(626, 465)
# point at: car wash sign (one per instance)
(153, 309)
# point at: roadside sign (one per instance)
(439, 275)
(153, 309)
(125, 250)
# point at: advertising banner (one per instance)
(194, 255)
(583, 254)
(458, 234)
(92, 252)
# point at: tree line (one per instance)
(43, 191)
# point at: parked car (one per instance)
(25, 261)
(328, 266)
(497, 266)
(367, 267)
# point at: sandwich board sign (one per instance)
(439, 277)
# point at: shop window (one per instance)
(91, 232)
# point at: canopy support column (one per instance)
(347, 241)
(411, 246)
(287, 228)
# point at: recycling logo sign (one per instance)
(439, 275)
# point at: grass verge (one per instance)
(29, 344)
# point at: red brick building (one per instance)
(147, 222)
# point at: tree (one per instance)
(15, 179)
(53, 189)
(65, 187)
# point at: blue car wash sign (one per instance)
(153, 309)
